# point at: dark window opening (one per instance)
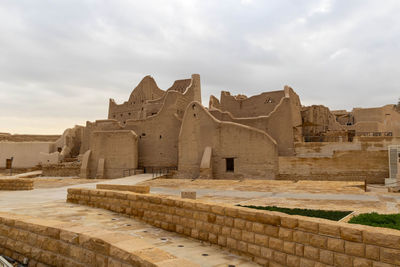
(124, 122)
(160, 136)
(113, 116)
(230, 164)
(194, 115)
(129, 113)
(59, 149)
(121, 115)
(143, 134)
(153, 113)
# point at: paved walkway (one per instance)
(50, 203)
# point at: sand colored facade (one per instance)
(266, 136)
(25, 154)
(112, 153)
(230, 150)
(276, 113)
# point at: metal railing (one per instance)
(159, 171)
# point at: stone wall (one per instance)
(66, 169)
(26, 154)
(342, 166)
(15, 184)
(269, 238)
(53, 243)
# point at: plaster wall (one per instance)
(254, 151)
(243, 107)
(117, 148)
(26, 154)
(157, 134)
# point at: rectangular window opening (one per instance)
(230, 164)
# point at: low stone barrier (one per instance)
(142, 189)
(15, 184)
(61, 169)
(269, 238)
(53, 243)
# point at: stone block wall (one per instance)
(61, 170)
(53, 243)
(269, 238)
(16, 184)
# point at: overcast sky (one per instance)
(60, 61)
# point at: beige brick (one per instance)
(254, 250)
(286, 234)
(268, 218)
(355, 249)
(299, 250)
(301, 237)
(226, 230)
(311, 252)
(248, 236)
(271, 230)
(266, 253)
(231, 243)
(239, 224)
(372, 252)
(231, 211)
(228, 221)
(381, 264)
(279, 257)
(351, 234)
(381, 239)
(289, 222)
(222, 240)
(308, 226)
(289, 247)
(258, 228)
(342, 260)
(307, 263)
(212, 238)
(261, 240)
(242, 246)
(326, 256)
(292, 261)
(318, 241)
(247, 214)
(335, 244)
(276, 243)
(360, 262)
(217, 209)
(219, 220)
(391, 256)
(236, 233)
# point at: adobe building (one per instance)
(266, 136)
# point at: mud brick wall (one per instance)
(54, 243)
(269, 238)
(16, 184)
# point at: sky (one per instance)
(61, 61)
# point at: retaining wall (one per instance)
(269, 238)
(53, 243)
(15, 184)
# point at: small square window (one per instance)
(230, 164)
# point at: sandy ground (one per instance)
(327, 195)
(54, 182)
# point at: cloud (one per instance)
(60, 61)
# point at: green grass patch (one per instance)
(332, 215)
(377, 220)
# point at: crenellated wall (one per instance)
(254, 152)
(269, 238)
